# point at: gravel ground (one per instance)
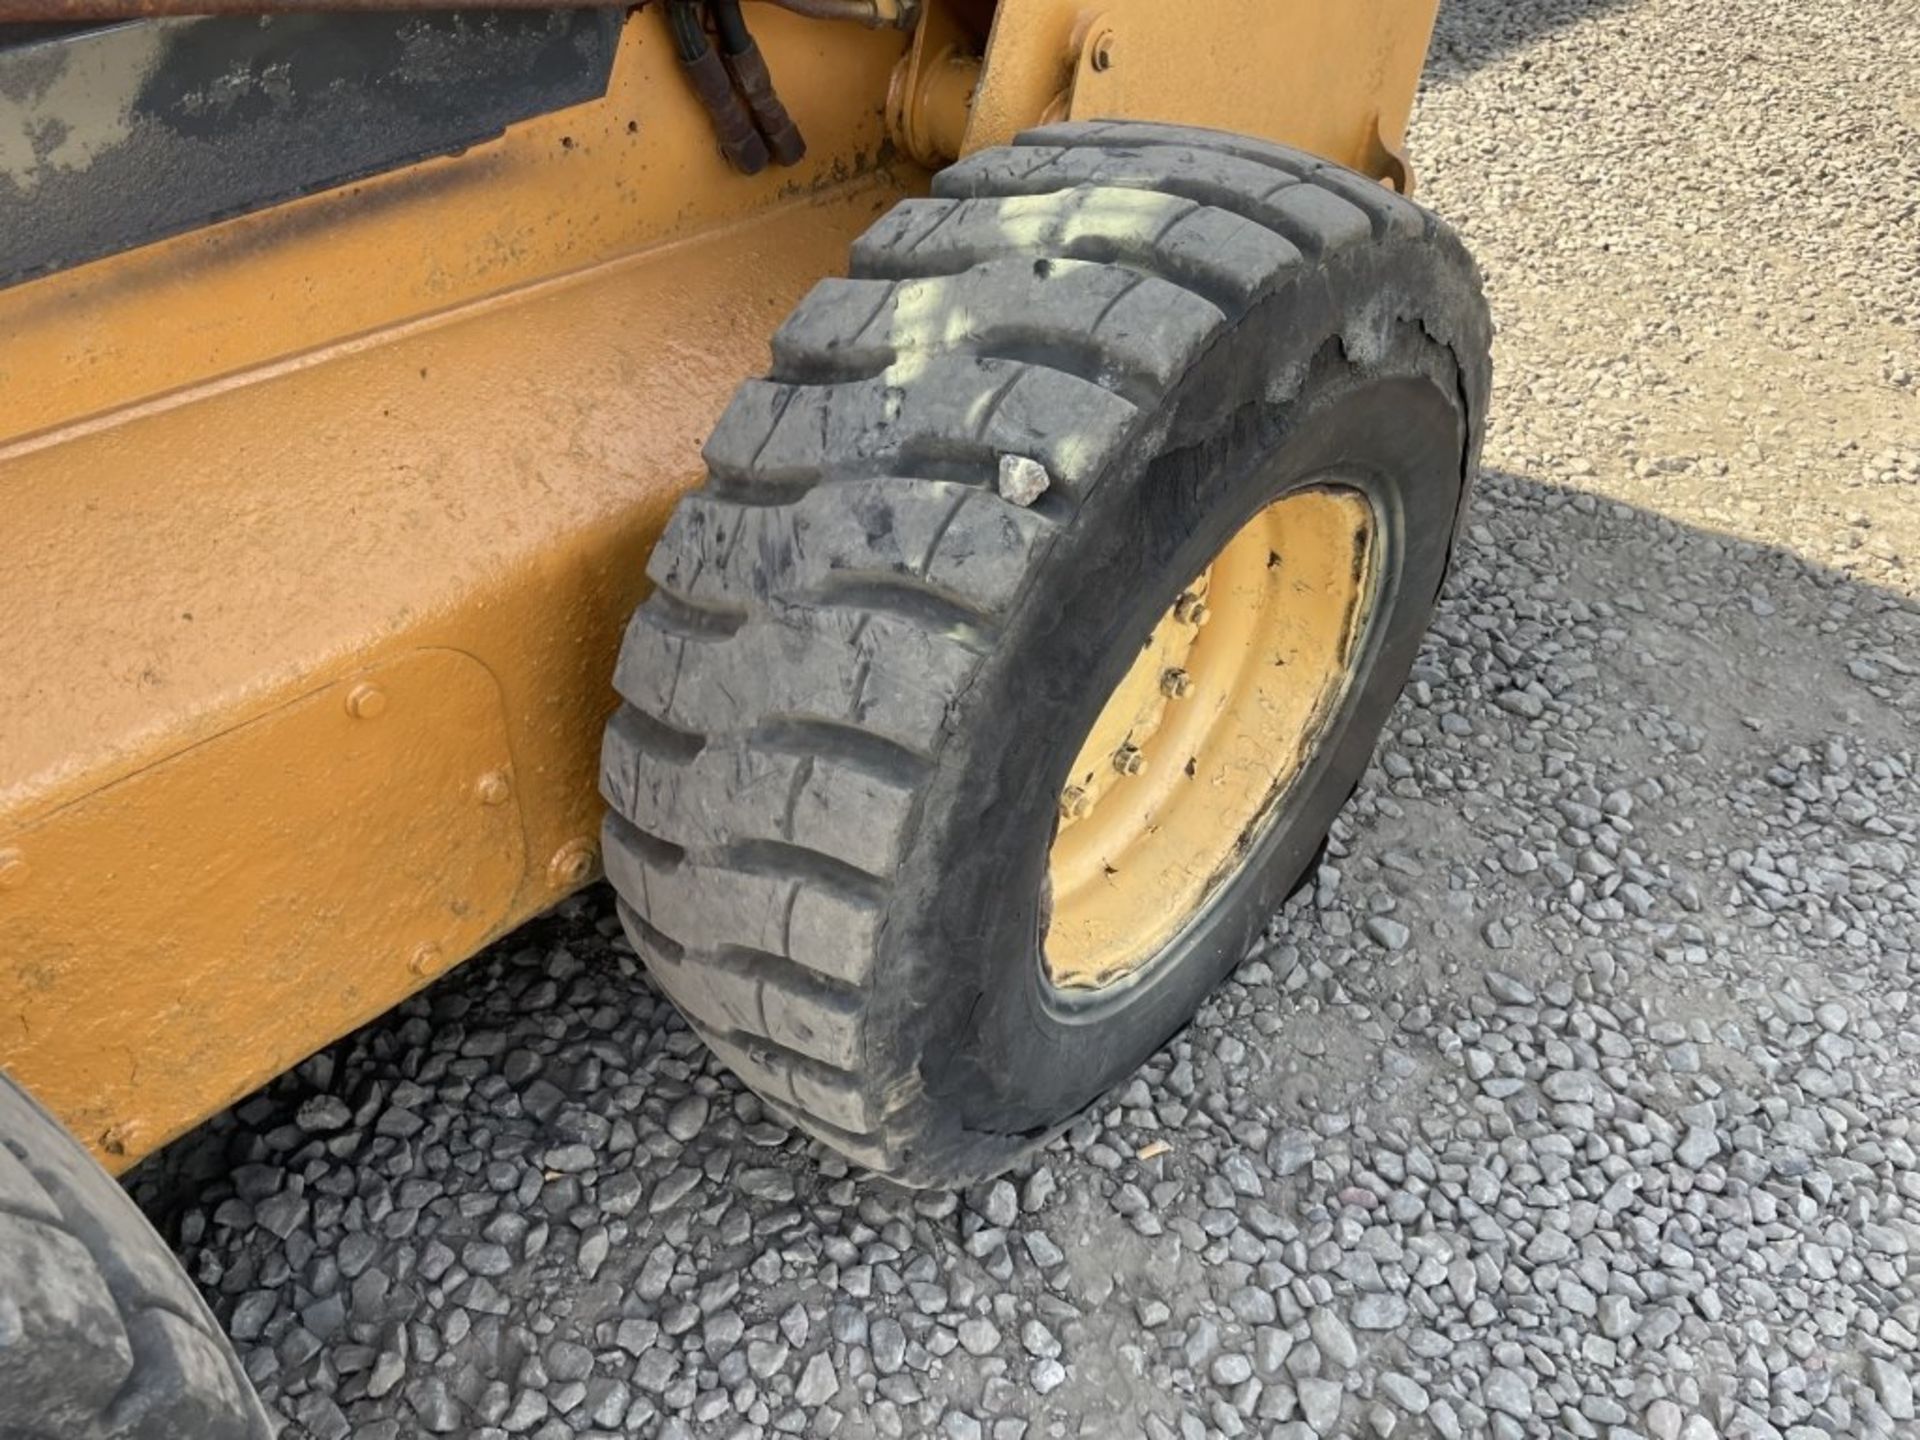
(1581, 1094)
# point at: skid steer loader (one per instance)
(394, 543)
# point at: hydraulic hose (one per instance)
(749, 70)
(731, 26)
(739, 141)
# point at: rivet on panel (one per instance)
(119, 1137)
(493, 788)
(427, 960)
(366, 701)
(14, 870)
(572, 863)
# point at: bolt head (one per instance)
(572, 864)
(1129, 761)
(1075, 803)
(1176, 684)
(493, 788)
(14, 870)
(1191, 609)
(427, 960)
(364, 702)
(1103, 51)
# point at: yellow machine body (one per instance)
(321, 523)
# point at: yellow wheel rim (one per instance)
(1225, 705)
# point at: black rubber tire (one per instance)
(101, 1333)
(861, 677)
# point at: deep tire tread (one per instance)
(829, 593)
(1147, 252)
(1388, 212)
(154, 1362)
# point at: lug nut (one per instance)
(1074, 803)
(1191, 609)
(1176, 684)
(1128, 760)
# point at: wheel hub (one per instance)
(1225, 704)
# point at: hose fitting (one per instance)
(740, 142)
(749, 70)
